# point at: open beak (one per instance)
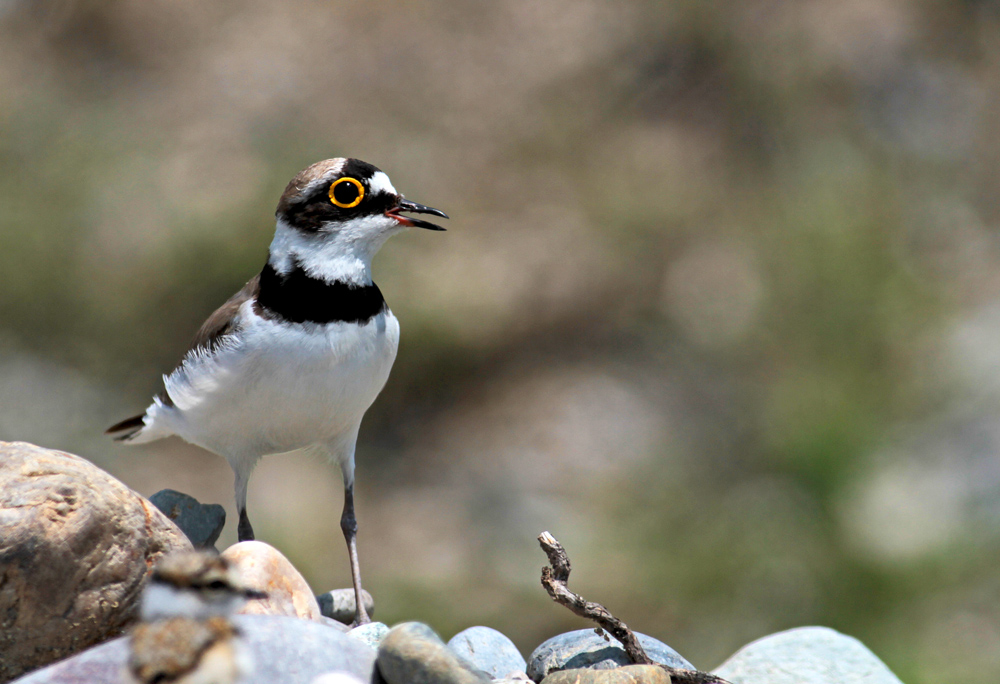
(414, 208)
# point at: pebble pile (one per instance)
(296, 637)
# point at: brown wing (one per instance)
(221, 322)
(218, 325)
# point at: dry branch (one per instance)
(555, 576)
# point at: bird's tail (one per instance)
(138, 429)
(130, 427)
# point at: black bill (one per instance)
(415, 208)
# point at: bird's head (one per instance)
(339, 210)
(194, 584)
(348, 195)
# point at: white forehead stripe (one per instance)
(381, 183)
(332, 172)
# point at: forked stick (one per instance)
(555, 577)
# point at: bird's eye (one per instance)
(347, 193)
(216, 584)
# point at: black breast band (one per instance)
(300, 298)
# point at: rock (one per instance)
(335, 624)
(513, 678)
(337, 678)
(202, 523)
(76, 547)
(583, 648)
(411, 653)
(102, 664)
(371, 633)
(339, 604)
(286, 650)
(806, 655)
(262, 567)
(630, 674)
(488, 650)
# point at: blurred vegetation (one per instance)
(718, 304)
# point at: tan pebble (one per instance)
(262, 567)
(630, 674)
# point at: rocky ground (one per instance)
(76, 547)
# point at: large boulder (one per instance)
(75, 548)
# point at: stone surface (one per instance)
(806, 655)
(335, 624)
(371, 633)
(202, 523)
(262, 567)
(630, 674)
(584, 648)
(411, 653)
(513, 678)
(339, 604)
(337, 678)
(76, 547)
(286, 650)
(488, 650)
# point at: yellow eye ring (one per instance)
(347, 193)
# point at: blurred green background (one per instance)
(719, 302)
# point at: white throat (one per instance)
(344, 254)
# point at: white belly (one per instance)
(278, 388)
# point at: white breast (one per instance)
(277, 387)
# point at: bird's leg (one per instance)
(349, 524)
(244, 531)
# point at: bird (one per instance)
(184, 634)
(295, 358)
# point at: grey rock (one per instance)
(411, 653)
(202, 523)
(488, 650)
(371, 633)
(285, 649)
(334, 624)
(76, 547)
(339, 604)
(337, 678)
(806, 655)
(513, 678)
(629, 674)
(584, 648)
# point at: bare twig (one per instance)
(555, 577)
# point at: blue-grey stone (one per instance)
(488, 650)
(411, 653)
(339, 604)
(584, 648)
(202, 523)
(337, 678)
(335, 624)
(285, 649)
(370, 633)
(806, 655)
